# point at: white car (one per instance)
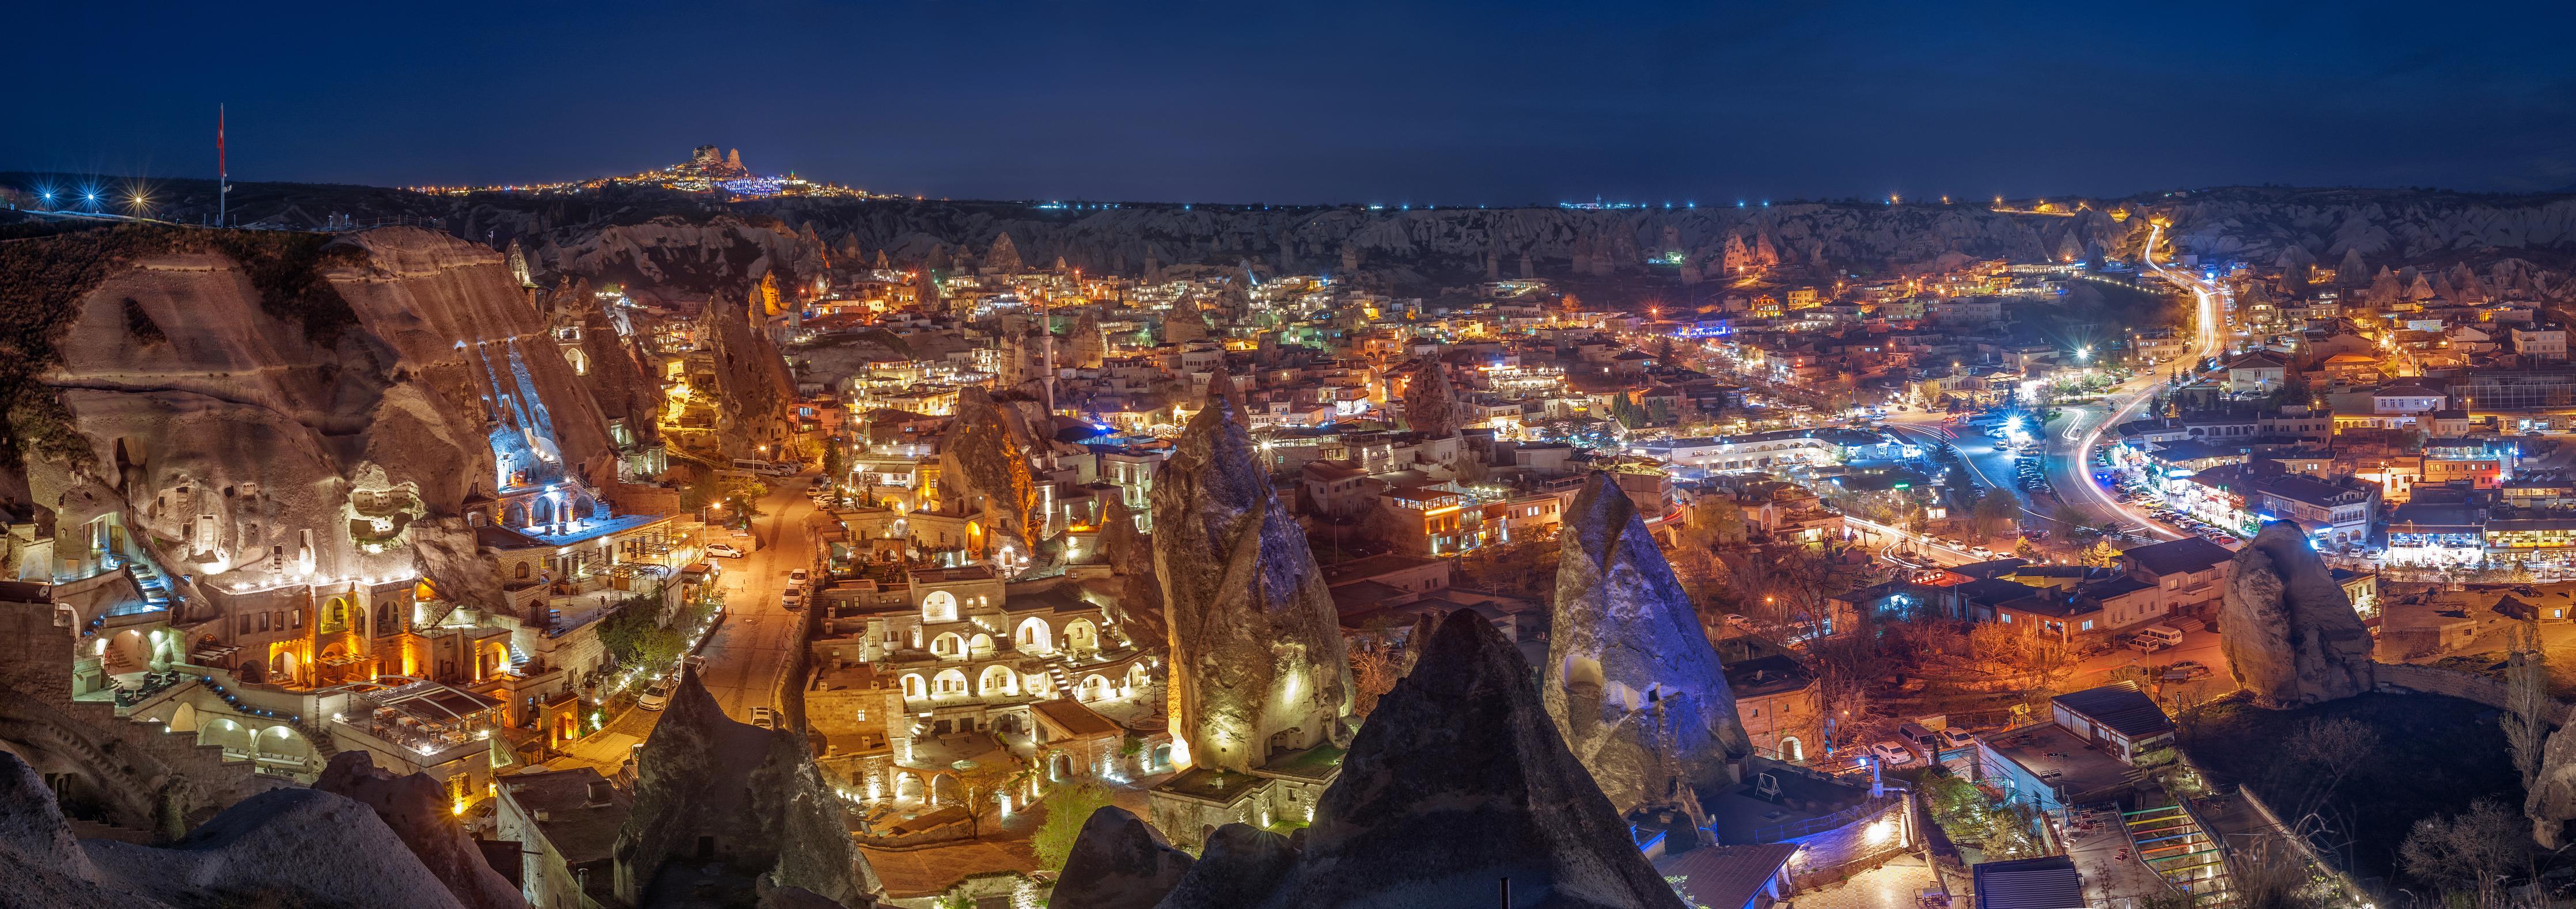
(792, 599)
(723, 551)
(1952, 738)
(1892, 753)
(658, 696)
(798, 577)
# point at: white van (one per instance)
(2156, 637)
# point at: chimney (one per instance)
(599, 795)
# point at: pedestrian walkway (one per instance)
(2169, 840)
(1895, 885)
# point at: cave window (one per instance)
(263, 621)
(523, 570)
(295, 618)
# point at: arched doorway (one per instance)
(184, 719)
(939, 606)
(1080, 635)
(907, 787)
(1034, 635)
(281, 668)
(1060, 767)
(335, 615)
(981, 645)
(913, 688)
(997, 680)
(943, 789)
(948, 644)
(1792, 750)
(1137, 678)
(1094, 687)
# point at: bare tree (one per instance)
(2321, 754)
(2528, 706)
(2470, 852)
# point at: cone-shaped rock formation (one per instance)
(1631, 681)
(1257, 663)
(1118, 862)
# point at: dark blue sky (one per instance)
(1450, 103)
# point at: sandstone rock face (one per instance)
(2550, 801)
(415, 809)
(753, 386)
(1631, 681)
(1459, 780)
(984, 459)
(2287, 629)
(723, 252)
(1257, 659)
(751, 794)
(1118, 862)
(234, 436)
(1137, 604)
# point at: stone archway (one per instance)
(943, 789)
(1094, 687)
(1060, 767)
(1081, 636)
(1034, 635)
(907, 786)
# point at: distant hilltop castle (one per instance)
(706, 163)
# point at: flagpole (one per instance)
(223, 184)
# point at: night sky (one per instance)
(1422, 103)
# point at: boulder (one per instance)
(2287, 629)
(1118, 862)
(1430, 404)
(985, 461)
(1257, 663)
(417, 811)
(1631, 681)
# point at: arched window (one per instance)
(948, 682)
(939, 606)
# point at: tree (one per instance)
(1067, 809)
(2468, 852)
(2529, 707)
(2319, 755)
(979, 790)
(1996, 514)
(1373, 674)
(2101, 554)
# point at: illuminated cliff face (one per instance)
(236, 448)
(1257, 659)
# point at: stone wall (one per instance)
(146, 770)
(2395, 677)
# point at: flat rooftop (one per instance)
(2053, 754)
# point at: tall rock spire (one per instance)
(1430, 404)
(1257, 663)
(1631, 680)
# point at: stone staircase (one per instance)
(1059, 681)
(320, 739)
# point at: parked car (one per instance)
(764, 717)
(697, 661)
(2187, 671)
(1892, 753)
(659, 695)
(1953, 738)
(793, 599)
(798, 577)
(723, 551)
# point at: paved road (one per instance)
(2072, 440)
(748, 650)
